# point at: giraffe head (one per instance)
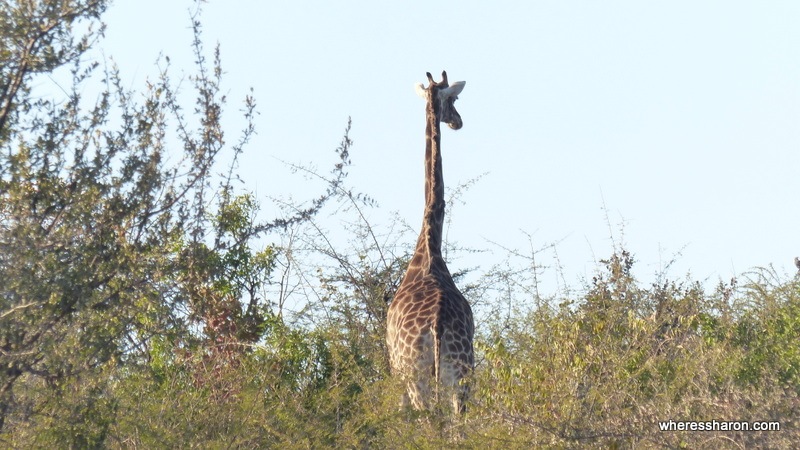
(442, 97)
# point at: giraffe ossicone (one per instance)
(430, 326)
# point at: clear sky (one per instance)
(681, 117)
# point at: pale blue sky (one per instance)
(683, 116)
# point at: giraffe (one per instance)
(429, 325)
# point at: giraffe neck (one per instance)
(429, 245)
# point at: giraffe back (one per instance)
(429, 334)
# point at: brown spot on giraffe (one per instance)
(429, 325)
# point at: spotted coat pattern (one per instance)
(430, 326)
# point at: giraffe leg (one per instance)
(404, 400)
(419, 382)
(419, 392)
(460, 398)
(453, 389)
(455, 367)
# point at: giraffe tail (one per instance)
(437, 341)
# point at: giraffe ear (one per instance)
(420, 89)
(453, 90)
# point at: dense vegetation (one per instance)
(140, 306)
